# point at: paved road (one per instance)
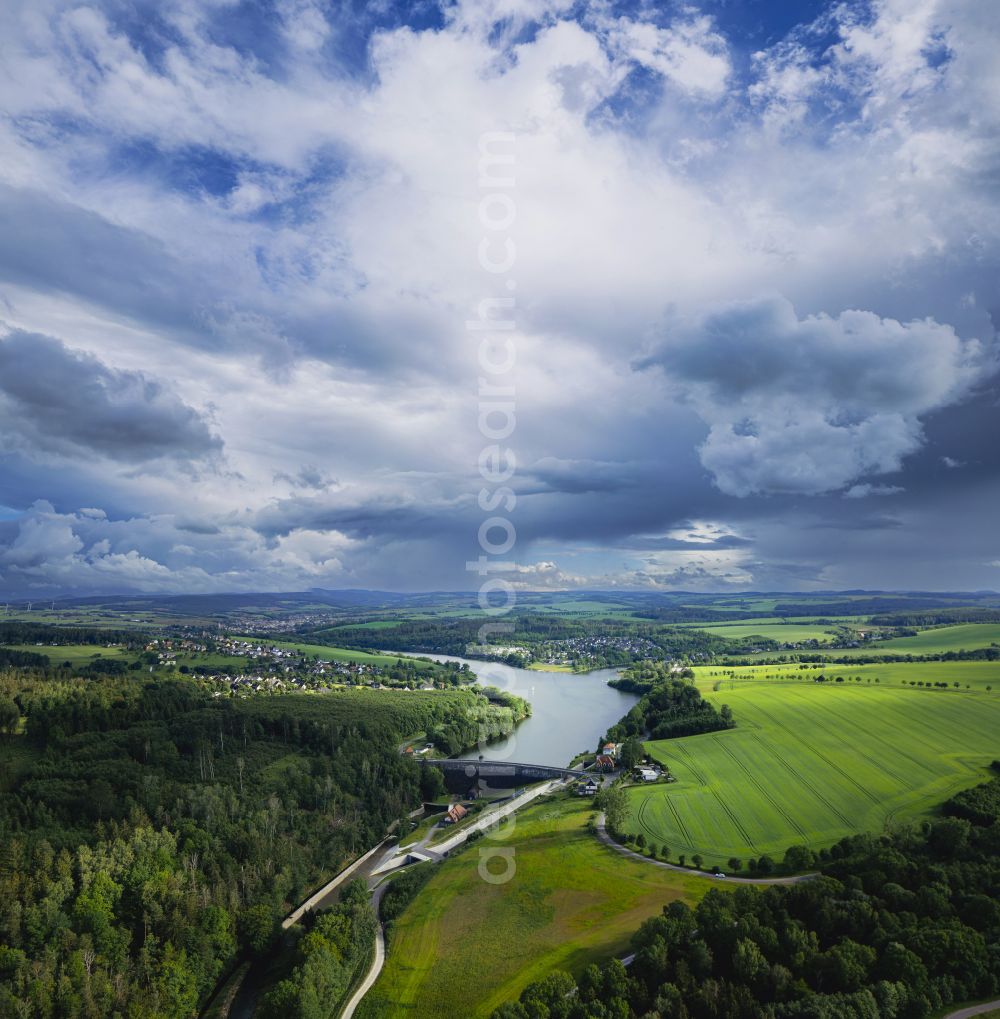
(317, 897)
(377, 962)
(437, 853)
(795, 879)
(966, 1013)
(490, 817)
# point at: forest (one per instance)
(16, 632)
(669, 707)
(152, 835)
(898, 925)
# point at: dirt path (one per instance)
(794, 879)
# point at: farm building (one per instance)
(605, 762)
(456, 812)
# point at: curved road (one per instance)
(967, 1013)
(377, 962)
(437, 853)
(379, 959)
(794, 879)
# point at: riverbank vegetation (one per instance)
(582, 644)
(331, 947)
(671, 705)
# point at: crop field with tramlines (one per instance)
(811, 762)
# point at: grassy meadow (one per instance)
(974, 675)
(809, 763)
(571, 902)
(771, 629)
(941, 639)
(340, 654)
(75, 654)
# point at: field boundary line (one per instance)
(737, 824)
(761, 789)
(819, 753)
(836, 811)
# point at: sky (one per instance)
(754, 293)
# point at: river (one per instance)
(570, 712)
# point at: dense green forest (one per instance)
(333, 945)
(669, 707)
(899, 926)
(150, 834)
(871, 605)
(938, 617)
(14, 632)
(11, 656)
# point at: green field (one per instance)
(939, 639)
(571, 902)
(341, 654)
(375, 624)
(75, 654)
(809, 763)
(976, 675)
(790, 633)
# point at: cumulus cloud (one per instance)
(261, 228)
(689, 53)
(88, 553)
(57, 400)
(810, 404)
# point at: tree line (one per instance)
(899, 926)
(152, 835)
(670, 706)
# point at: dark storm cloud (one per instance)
(56, 247)
(578, 477)
(868, 522)
(962, 451)
(382, 516)
(56, 400)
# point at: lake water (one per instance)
(570, 712)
